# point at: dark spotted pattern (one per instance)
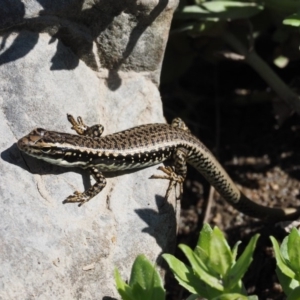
(140, 147)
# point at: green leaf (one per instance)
(222, 258)
(253, 297)
(295, 294)
(198, 2)
(241, 266)
(293, 20)
(187, 278)
(197, 266)
(220, 10)
(247, 9)
(232, 296)
(288, 284)
(204, 261)
(214, 262)
(193, 297)
(205, 237)
(145, 281)
(281, 262)
(281, 61)
(185, 275)
(293, 246)
(234, 250)
(284, 249)
(123, 289)
(202, 249)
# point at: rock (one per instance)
(100, 60)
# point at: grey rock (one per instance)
(100, 60)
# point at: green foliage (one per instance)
(288, 263)
(145, 283)
(223, 10)
(293, 20)
(196, 24)
(214, 273)
(219, 10)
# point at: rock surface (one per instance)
(100, 60)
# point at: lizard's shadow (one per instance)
(161, 225)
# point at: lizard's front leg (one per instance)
(91, 192)
(94, 131)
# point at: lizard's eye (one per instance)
(46, 149)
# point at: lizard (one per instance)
(139, 147)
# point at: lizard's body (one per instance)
(140, 147)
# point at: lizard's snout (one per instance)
(31, 138)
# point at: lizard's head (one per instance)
(54, 147)
(36, 143)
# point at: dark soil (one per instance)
(262, 157)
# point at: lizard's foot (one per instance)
(172, 176)
(94, 131)
(91, 192)
(78, 126)
(77, 197)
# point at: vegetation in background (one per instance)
(214, 272)
(288, 264)
(206, 27)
